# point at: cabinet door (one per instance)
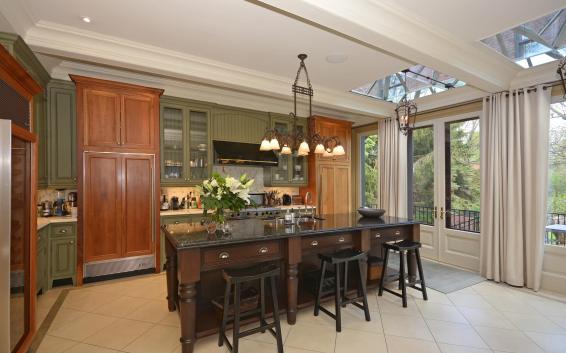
(40, 128)
(62, 136)
(101, 118)
(62, 252)
(281, 173)
(137, 122)
(342, 197)
(102, 206)
(138, 205)
(173, 168)
(198, 145)
(326, 188)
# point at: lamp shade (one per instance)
(286, 150)
(265, 145)
(304, 148)
(338, 150)
(274, 144)
(319, 149)
(327, 154)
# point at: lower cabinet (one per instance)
(63, 258)
(56, 254)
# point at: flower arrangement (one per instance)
(220, 193)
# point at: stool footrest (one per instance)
(393, 292)
(327, 312)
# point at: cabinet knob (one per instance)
(177, 222)
(63, 231)
(377, 235)
(341, 239)
(71, 242)
(314, 243)
(224, 255)
(74, 179)
(397, 232)
(263, 250)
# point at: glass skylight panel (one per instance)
(421, 81)
(533, 43)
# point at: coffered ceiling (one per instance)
(252, 45)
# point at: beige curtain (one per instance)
(392, 168)
(514, 163)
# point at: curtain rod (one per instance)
(530, 89)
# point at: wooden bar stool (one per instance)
(404, 248)
(236, 277)
(340, 260)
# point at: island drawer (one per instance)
(323, 241)
(390, 234)
(62, 229)
(226, 256)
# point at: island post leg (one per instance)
(188, 263)
(171, 275)
(411, 255)
(293, 260)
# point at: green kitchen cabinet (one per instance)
(62, 252)
(62, 139)
(239, 125)
(292, 169)
(174, 219)
(42, 267)
(186, 146)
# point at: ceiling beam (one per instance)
(381, 27)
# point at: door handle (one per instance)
(441, 212)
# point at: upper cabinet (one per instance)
(292, 169)
(328, 127)
(239, 125)
(61, 127)
(186, 154)
(117, 116)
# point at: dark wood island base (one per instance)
(194, 260)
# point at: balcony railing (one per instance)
(555, 238)
(464, 220)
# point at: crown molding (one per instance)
(536, 75)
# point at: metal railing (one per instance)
(424, 214)
(464, 220)
(555, 238)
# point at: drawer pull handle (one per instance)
(224, 255)
(378, 235)
(314, 243)
(263, 250)
(71, 242)
(63, 231)
(177, 222)
(397, 232)
(341, 239)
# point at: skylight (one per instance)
(421, 81)
(533, 43)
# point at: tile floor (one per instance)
(131, 316)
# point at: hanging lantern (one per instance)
(406, 112)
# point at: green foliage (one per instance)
(423, 167)
(557, 170)
(371, 171)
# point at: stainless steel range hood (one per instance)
(242, 154)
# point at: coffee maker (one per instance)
(72, 197)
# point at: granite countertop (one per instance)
(44, 221)
(190, 235)
(197, 211)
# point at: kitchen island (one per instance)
(195, 259)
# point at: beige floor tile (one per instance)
(433, 296)
(559, 320)
(172, 319)
(509, 303)
(405, 326)
(354, 318)
(121, 306)
(65, 316)
(52, 344)
(548, 307)
(87, 348)
(267, 337)
(152, 311)
(158, 339)
(508, 340)
(454, 333)
(441, 312)
(469, 300)
(389, 304)
(534, 323)
(550, 343)
(489, 288)
(118, 334)
(450, 348)
(206, 345)
(86, 300)
(360, 342)
(83, 327)
(316, 338)
(486, 317)
(397, 344)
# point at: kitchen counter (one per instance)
(44, 221)
(196, 211)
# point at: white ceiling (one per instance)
(252, 45)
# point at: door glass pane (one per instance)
(198, 141)
(463, 175)
(281, 172)
(172, 143)
(423, 174)
(556, 219)
(298, 163)
(370, 171)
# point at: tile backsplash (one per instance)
(51, 194)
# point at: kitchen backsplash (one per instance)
(51, 194)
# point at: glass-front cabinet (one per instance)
(185, 142)
(292, 169)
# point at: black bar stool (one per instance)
(404, 248)
(341, 259)
(237, 277)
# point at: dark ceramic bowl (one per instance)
(371, 212)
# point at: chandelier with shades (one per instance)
(406, 112)
(296, 140)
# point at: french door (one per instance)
(444, 162)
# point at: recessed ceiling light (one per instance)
(86, 19)
(337, 58)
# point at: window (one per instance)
(557, 176)
(369, 170)
(423, 174)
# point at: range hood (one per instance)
(243, 154)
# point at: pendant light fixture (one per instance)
(296, 141)
(406, 111)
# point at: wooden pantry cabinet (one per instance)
(118, 179)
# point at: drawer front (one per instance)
(226, 256)
(62, 229)
(389, 234)
(180, 219)
(317, 242)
